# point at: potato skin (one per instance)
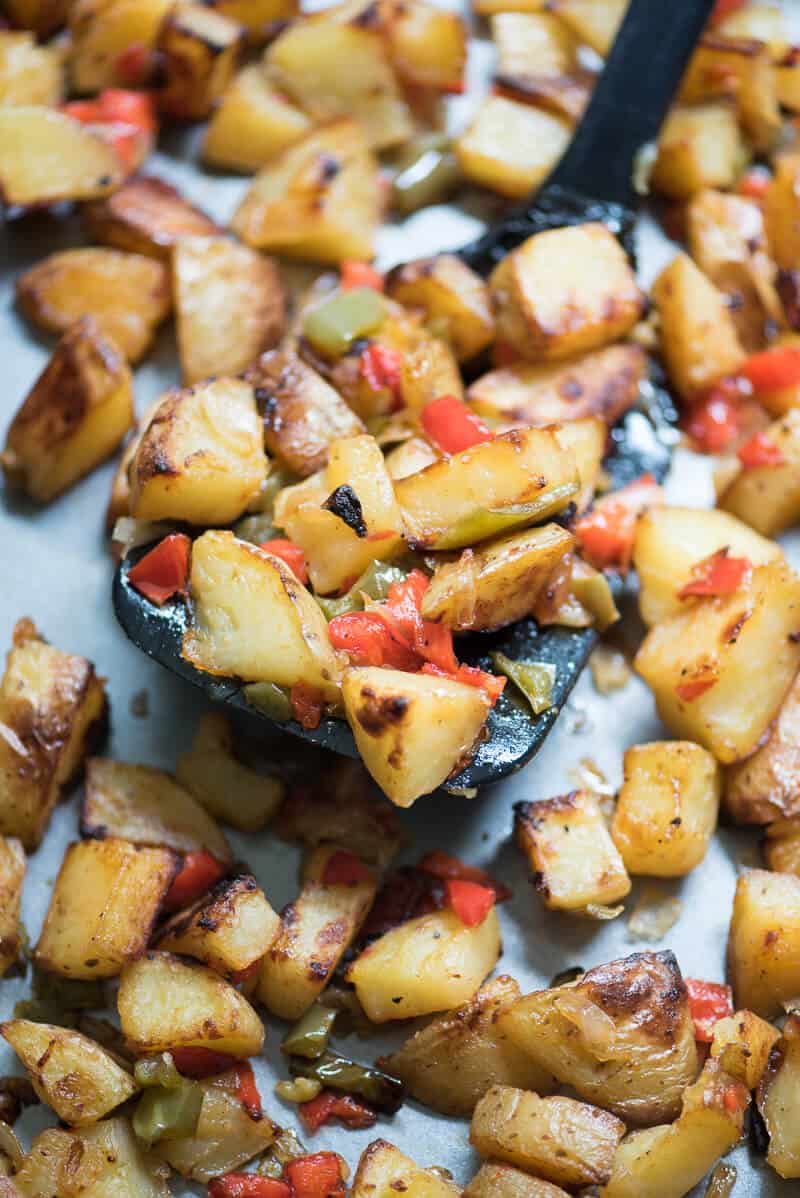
(146, 216)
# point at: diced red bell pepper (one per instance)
(491, 684)
(717, 574)
(381, 367)
(345, 869)
(606, 534)
(199, 1062)
(443, 865)
(126, 119)
(199, 872)
(470, 901)
(371, 641)
(455, 87)
(248, 1185)
(317, 1175)
(708, 1002)
(715, 419)
(289, 553)
(350, 1111)
(735, 1098)
(360, 274)
(247, 1090)
(452, 426)
(431, 641)
(773, 368)
(435, 644)
(696, 686)
(306, 703)
(128, 107)
(164, 571)
(754, 183)
(760, 451)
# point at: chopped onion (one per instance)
(130, 534)
(610, 670)
(600, 911)
(597, 1029)
(653, 916)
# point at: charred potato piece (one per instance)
(252, 124)
(621, 1036)
(782, 212)
(384, 1170)
(101, 1160)
(165, 1003)
(102, 30)
(591, 22)
(497, 1180)
(742, 1044)
(316, 930)
(146, 806)
(454, 299)
(42, 16)
(47, 157)
(228, 929)
(103, 908)
(199, 49)
(12, 876)
(229, 306)
(781, 846)
(146, 216)
(510, 147)
(127, 295)
(768, 497)
(698, 147)
(29, 74)
(71, 1073)
(777, 1102)
(763, 960)
(53, 706)
(74, 416)
(451, 1062)
(740, 68)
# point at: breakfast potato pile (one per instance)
(354, 474)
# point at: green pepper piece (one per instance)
(488, 522)
(534, 678)
(286, 1147)
(168, 1114)
(310, 1035)
(269, 698)
(379, 1089)
(375, 582)
(71, 994)
(256, 529)
(334, 325)
(158, 1071)
(591, 589)
(427, 174)
(39, 1010)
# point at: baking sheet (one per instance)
(54, 568)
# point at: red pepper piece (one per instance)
(760, 451)
(352, 1112)
(345, 869)
(289, 553)
(381, 367)
(199, 1062)
(773, 368)
(134, 64)
(306, 703)
(128, 107)
(470, 901)
(371, 641)
(717, 574)
(723, 9)
(715, 421)
(403, 895)
(490, 684)
(754, 183)
(164, 571)
(606, 534)
(452, 426)
(708, 1002)
(317, 1175)
(248, 1185)
(360, 274)
(247, 1089)
(124, 118)
(443, 865)
(199, 872)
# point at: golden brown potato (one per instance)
(565, 96)
(594, 22)
(29, 74)
(316, 930)
(409, 457)
(93, 1162)
(782, 212)
(12, 876)
(103, 908)
(777, 1101)
(497, 1180)
(384, 1171)
(166, 1003)
(539, 45)
(229, 306)
(71, 1073)
(427, 45)
(221, 784)
(146, 806)
(256, 16)
(146, 216)
(740, 68)
(698, 147)
(575, 864)
(54, 708)
(454, 299)
(199, 49)
(787, 81)
(781, 846)
(587, 440)
(450, 1063)
(511, 148)
(253, 123)
(568, 1142)
(768, 497)
(763, 960)
(74, 416)
(101, 31)
(763, 22)
(703, 664)
(127, 295)
(320, 200)
(487, 8)
(47, 156)
(228, 929)
(42, 16)
(201, 458)
(742, 1044)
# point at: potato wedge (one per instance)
(699, 147)
(146, 216)
(73, 418)
(47, 157)
(165, 1003)
(94, 1162)
(777, 1102)
(427, 964)
(742, 1044)
(763, 961)
(199, 50)
(384, 1170)
(12, 876)
(454, 299)
(101, 31)
(253, 123)
(229, 929)
(29, 74)
(511, 147)
(54, 709)
(146, 806)
(495, 1179)
(768, 497)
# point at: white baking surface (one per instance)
(54, 568)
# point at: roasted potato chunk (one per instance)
(146, 216)
(47, 157)
(165, 1003)
(431, 963)
(42, 16)
(777, 1102)
(539, 45)
(511, 148)
(497, 1180)
(73, 418)
(763, 960)
(12, 876)
(781, 210)
(95, 1161)
(621, 1036)
(564, 292)
(228, 929)
(781, 846)
(256, 16)
(29, 74)
(253, 124)
(54, 708)
(102, 30)
(742, 1044)
(199, 49)
(454, 299)
(201, 458)
(566, 841)
(450, 1063)
(767, 785)
(384, 1170)
(591, 22)
(702, 663)
(768, 497)
(699, 147)
(742, 69)
(127, 295)
(103, 908)
(568, 1142)
(427, 45)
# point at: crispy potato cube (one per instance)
(316, 930)
(740, 68)
(495, 1179)
(497, 583)
(29, 74)
(71, 1073)
(564, 292)
(229, 306)
(320, 200)
(228, 929)
(621, 1036)
(253, 124)
(568, 1142)
(698, 147)
(146, 806)
(777, 1102)
(450, 1063)
(781, 846)
(166, 1003)
(742, 1044)
(782, 212)
(54, 709)
(412, 730)
(539, 45)
(73, 418)
(763, 960)
(431, 963)
(146, 216)
(594, 22)
(768, 497)
(127, 295)
(222, 785)
(511, 148)
(94, 1162)
(12, 876)
(427, 45)
(454, 299)
(199, 49)
(667, 1161)
(702, 664)
(667, 808)
(229, 575)
(302, 414)
(671, 540)
(566, 841)
(429, 369)
(201, 458)
(101, 30)
(384, 1170)
(103, 908)
(47, 157)
(42, 16)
